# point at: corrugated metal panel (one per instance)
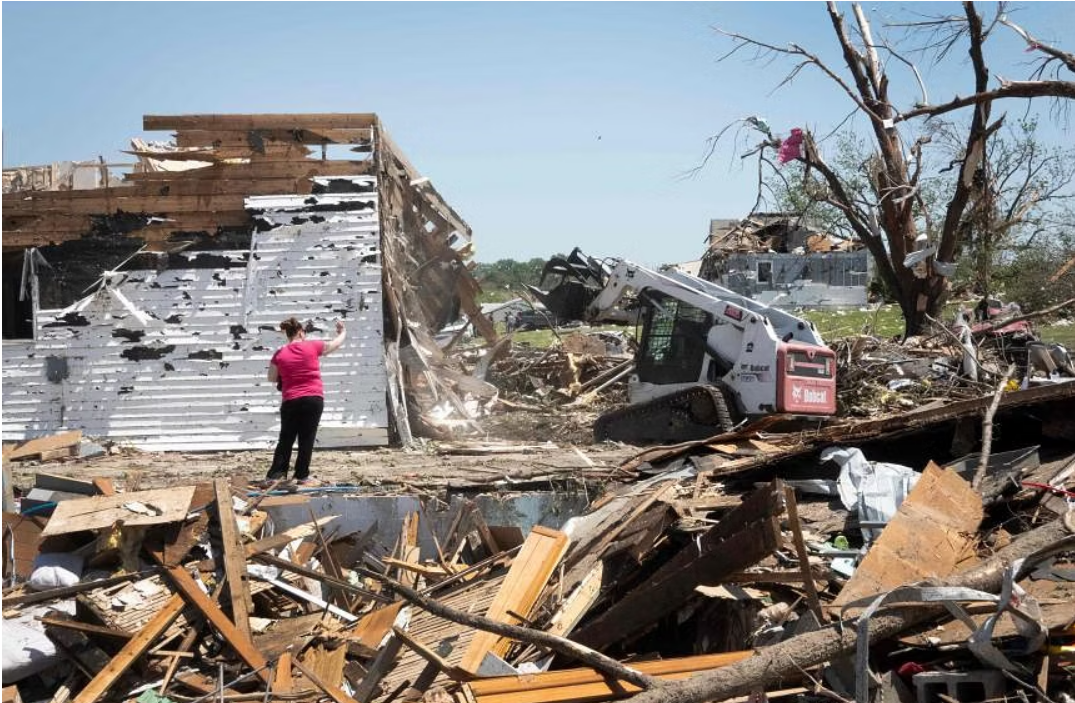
(176, 359)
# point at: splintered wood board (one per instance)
(43, 445)
(374, 625)
(100, 512)
(529, 573)
(933, 531)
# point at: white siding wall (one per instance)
(176, 360)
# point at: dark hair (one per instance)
(291, 327)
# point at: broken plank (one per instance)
(234, 558)
(585, 684)
(101, 512)
(802, 554)
(377, 670)
(289, 634)
(212, 612)
(325, 663)
(104, 486)
(176, 540)
(71, 624)
(87, 657)
(282, 681)
(529, 572)
(330, 689)
(35, 447)
(422, 569)
(374, 625)
(288, 536)
(135, 648)
(66, 484)
(578, 603)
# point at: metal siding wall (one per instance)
(837, 279)
(210, 390)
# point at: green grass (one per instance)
(1065, 334)
(885, 321)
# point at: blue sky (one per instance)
(546, 125)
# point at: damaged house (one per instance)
(146, 310)
(779, 259)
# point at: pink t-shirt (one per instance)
(300, 368)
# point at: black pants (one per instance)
(299, 418)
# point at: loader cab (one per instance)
(672, 341)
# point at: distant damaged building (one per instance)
(779, 259)
(145, 309)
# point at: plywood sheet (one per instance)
(44, 445)
(99, 512)
(529, 572)
(933, 531)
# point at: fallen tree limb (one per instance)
(560, 645)
(793, 655)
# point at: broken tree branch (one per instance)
(1033, 43)
(560, 645)
(1008, 89)
(813, 648)
(987, 428)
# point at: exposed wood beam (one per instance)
(152, 123)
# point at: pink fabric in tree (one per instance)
(791, 148)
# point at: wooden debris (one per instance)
(740, 539)
(53, 446)
(529, 573)
(155, 507)
(234, 559)
(131, 651)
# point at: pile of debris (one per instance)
(580, 368)
(835, 563)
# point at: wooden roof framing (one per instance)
(245, 155)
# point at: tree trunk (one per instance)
(919, 297)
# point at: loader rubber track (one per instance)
(683, 416)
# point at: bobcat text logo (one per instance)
(809, 395)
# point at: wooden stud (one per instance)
(234, 558)
(803, 556)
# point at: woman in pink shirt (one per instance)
(296, 369)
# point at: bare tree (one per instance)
(915, 255)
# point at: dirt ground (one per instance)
(541, 445)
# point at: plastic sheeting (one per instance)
(874, 490)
